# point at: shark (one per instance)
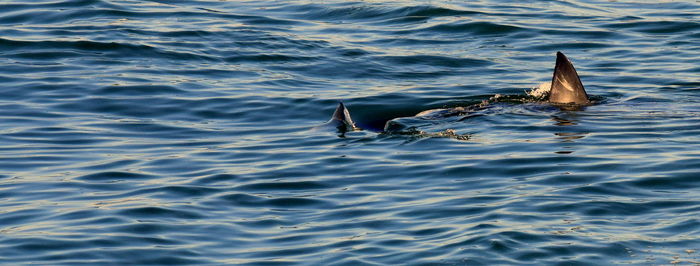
(340, 120)
(565, 91)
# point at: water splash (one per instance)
(541, 91)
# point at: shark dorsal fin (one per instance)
(343, 115)
(566, 85)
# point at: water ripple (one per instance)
(181, 132)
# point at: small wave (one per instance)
(113, 176)
(433, 60)
(160, 212)
(383, 14)
(247, 200)
(109, 48)
(138, 90)
(474, 28)
(656, 27)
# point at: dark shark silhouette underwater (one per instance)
(565, 91)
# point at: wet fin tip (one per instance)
(342, 114)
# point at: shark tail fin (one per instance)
(342, 115)
(566, 85)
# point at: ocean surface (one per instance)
(182, 132)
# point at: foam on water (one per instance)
(541, 91)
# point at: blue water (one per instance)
(179, 132)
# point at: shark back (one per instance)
(566, 85)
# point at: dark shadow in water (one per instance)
(559, 121)
(567, 137)
(572, 107)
